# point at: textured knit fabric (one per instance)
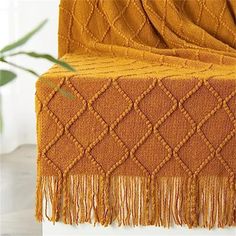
(144, 132)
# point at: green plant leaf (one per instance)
(49, 58)
(6, 76)
(62, 91)
(24, 39)
(21, 67)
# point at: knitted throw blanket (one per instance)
(144, 132)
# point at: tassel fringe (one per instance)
(204, 201)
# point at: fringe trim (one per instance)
(204, 201)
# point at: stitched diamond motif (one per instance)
(204, 97)
(68, 107)
(195, 149)
(180, 87)
(60, 155)
(221, 124)
(79, 6)
(132, 25)
(151, 153)
(232, 105)
(140, 85)
(170, 128)
(47, 124)
(205, 17)
(155, 111)
(213, 167)
(107, 152)
(113, 101)
(88, 87)
(98, 24)
(228, 86)
(229, 153)
(129, 136)
(86, 123)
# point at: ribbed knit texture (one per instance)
(144, 132)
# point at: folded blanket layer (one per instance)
(143, 133)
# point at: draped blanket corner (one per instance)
(144, 131)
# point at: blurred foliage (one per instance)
(9, 51)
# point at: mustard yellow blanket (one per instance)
(144, 132)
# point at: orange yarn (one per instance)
(144, 132)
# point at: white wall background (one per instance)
(16, 18)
